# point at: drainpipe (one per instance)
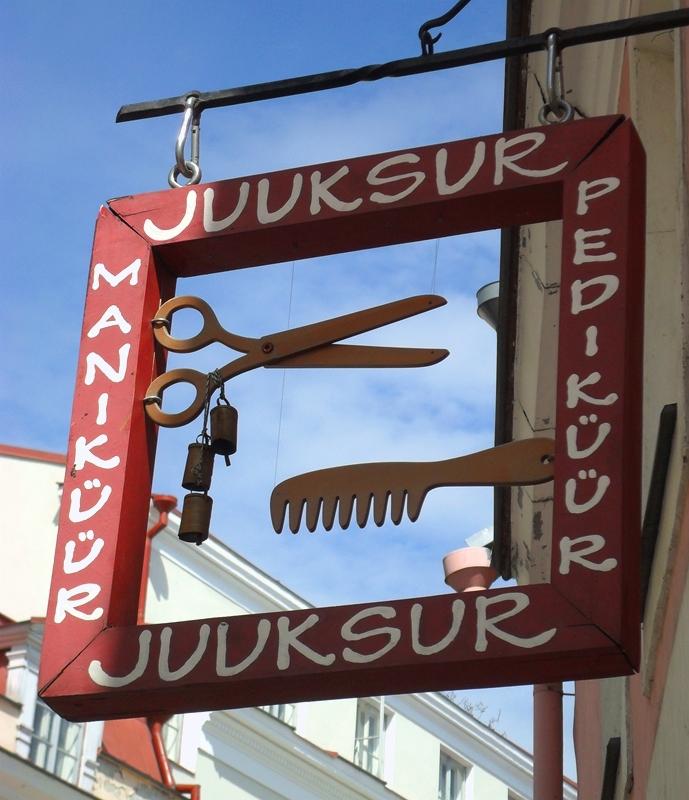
(547, 741)
(155, 726)
(469, 570)
(164, 503)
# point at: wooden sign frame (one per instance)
(98, 663)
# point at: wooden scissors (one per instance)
(307, 346)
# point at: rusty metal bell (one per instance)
(196, 518)
(224, 429)
(198, 470)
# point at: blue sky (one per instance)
(68, 67)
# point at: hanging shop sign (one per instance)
(98, 663)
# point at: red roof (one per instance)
(35, 455)
(129, 741)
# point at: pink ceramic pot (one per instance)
(468, 569)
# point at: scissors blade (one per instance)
(354, 355)
(298, 340)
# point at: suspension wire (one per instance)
(284, 377)
(435, 266)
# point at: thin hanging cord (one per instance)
(284, 376)
(435, 266)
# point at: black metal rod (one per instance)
(408, 66)
(612, 765)
(656, 495)
(425, 37)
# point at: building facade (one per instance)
(420, 746)
(631, 733)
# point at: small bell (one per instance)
(199, 468)
(224, 429)
(196, 518)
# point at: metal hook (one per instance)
(555, 104)
(427, 41)
(190, 169)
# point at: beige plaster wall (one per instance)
(668, 774)
(652, 92)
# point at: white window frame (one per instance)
(285, 712)
(172, 737)
(452, 777)
(369, 740)
(47, 748)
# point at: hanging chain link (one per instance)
(213, 381)
(188, 168)
(556, 108)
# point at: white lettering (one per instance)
(592, 544)
(573, 450)
(211, 225)
(102, 417)
(221, 668)
(83, 454)
(582, 246)
(602, 485)
(442, 185)
(75, 512)
(373, 178)
(320, 191)
(591, 340)
(585, 195)
(428, 650)
(264, 216)
(610, 284)
(290, 638)
(101, 271)
(69, 565)
(574, 393)
(112, 317)
(504, 161)
(165, 234)
(164, 670)
(70, 600)
(485, 624)
(100, 677)
(349, 635)
(94, 361)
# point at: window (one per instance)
(172, 737)
(451, 779)
(285, 712)
(369, 742)
(56, 744)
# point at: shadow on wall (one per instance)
(157, 577)
(211, 769)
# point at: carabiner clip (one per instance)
(555, 103)
(190, 169)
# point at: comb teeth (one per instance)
(380, 503)
(397, 505)
(345, 508)
(360, 505)
(329, 511)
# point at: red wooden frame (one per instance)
(97, 663)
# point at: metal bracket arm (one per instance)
(408, 66)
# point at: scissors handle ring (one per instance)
(197, 379)
(211, 330)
